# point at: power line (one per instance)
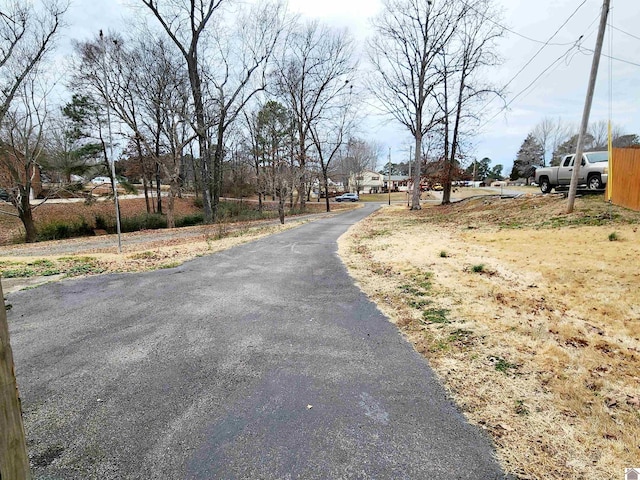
(489, 19)
(588, 50)
(626, 33)
(547, 43)
(553, 64)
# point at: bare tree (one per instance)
(23, 139)
(599, 130)
(242, 58)
(185, 23)
(329, 136)
(471, 49)
(359, 156)
(314, 72)
(27, 33)
(410, 34)
(551, 133)
(253, 145)
(543, 132)
(167, 127)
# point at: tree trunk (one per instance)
(303, 178)
(14, 460)
(325, 181)
(153, 202)
(26, 216)
(217, 172)
(281, 208)
(446, 188)
(158, 188)
(145, 186)
(203, 142)
(173, 190)
(415, 198)
(144, 174)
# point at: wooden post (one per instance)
(14, 460)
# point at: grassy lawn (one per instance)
(384, 197)
(528, 315)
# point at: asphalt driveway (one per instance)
(261, 362)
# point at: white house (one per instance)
(367, 181)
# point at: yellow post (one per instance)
(14, 460)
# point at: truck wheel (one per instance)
(594, 182)
(545, 186)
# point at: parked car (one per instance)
(594, 172)
(438, 188)
(348, 197)
(4, 196)
(102, 180)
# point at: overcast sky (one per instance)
(559, 92)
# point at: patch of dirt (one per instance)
(529, 316)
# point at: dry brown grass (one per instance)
(530, 317)
(145, 253)
(11, 230)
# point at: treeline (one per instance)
(236, 98)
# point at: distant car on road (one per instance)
(438, 188)
(102, 180)
(347, 197)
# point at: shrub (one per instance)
(238, 211)
(190, 220)
(60, 229)
(444, 254)
(103, 223)
(478, 268)
(152, 221)
(613, 236)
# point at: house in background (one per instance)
(366, 181)
(369, 181)
(399, 183)
(13, 170)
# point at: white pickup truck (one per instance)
(594, 172)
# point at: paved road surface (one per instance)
(261, 362)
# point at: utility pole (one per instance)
(14, 460)
(577, 160)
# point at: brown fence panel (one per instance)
(624, 178)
